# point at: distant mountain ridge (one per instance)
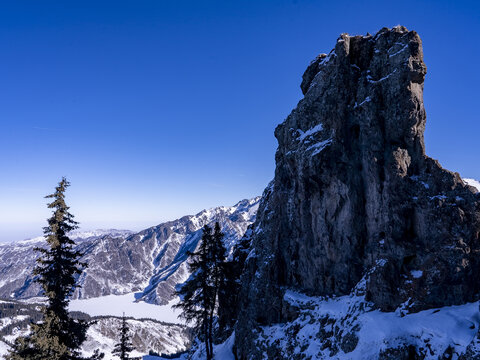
(149, 263)
(81, 235)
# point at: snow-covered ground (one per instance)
(347, 328)
(222, 351)
(116, 305)
(3, 349)
(4, 322)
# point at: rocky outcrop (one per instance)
(354, 195)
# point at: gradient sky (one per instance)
(158, 109)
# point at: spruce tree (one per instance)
(228, 293)
(57, 336)
(217, 268)
(125, 346)
(199, 293)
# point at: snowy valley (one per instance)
(131, 273)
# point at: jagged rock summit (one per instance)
(356, 205)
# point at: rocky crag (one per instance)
(357, 209)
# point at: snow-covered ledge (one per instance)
(473, 182)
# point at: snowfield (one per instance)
(3, 349)
(116, 305)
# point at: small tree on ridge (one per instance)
(123, 348)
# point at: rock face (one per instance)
(150, 263)
(354, 195)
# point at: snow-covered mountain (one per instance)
(79, 236)
(138, 266)
(149, 263)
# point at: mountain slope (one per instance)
(149, 263)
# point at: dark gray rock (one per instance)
(349, 343)
(353, 188)
(406, 352)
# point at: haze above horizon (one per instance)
(154, 109)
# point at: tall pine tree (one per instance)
(217, 268)
(195, 293)
(58, 336)
(199, 293)
(228, 293)
(123, 348)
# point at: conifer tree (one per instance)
(228, 293)
(57, 336)
(123, 348)
(199, 293)
(217, 268)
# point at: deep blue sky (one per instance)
(157, 109)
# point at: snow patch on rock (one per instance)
(473, 182)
